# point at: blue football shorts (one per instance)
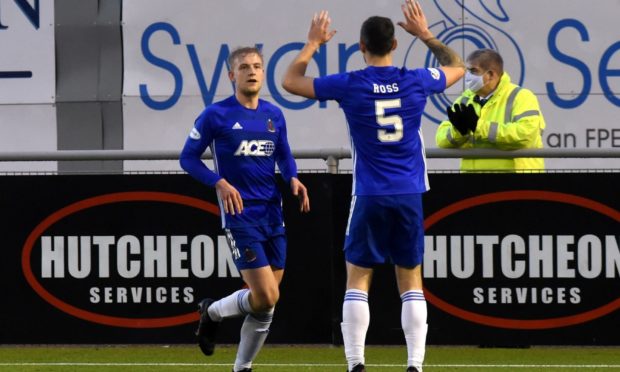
(257, 246)
(385, 229)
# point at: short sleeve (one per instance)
(331, 87)
(433, 79)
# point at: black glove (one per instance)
(463, 117)
(469, 116)
(456, 117)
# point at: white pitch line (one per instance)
(283, 365)
(522, 365)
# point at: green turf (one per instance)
(187, 358)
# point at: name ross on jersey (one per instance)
(255, 148)
(385, 88)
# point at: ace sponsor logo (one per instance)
(102, 258)
(523, 259)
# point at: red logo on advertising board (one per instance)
(591, 207)
(122, 197)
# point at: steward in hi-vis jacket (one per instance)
(493, 113)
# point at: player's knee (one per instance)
(266, 299)
(272, 298)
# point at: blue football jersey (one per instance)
(246, 145)
(383, 107)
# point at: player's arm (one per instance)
(415, 23)
(288, 169)
(299, 190)
(190, 159)
(451, 63)
(230, 197)
(196, 144)
(295, 80)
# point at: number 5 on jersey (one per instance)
(382, 134)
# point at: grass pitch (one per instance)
(289, 358)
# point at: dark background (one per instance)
(309, 310)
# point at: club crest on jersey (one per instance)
(194, 134)
(255, 148)
(249, 255)
(270, 126)
(434, 73)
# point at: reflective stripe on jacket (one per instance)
(510, 120)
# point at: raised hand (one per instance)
(415, 20)
(319, 29)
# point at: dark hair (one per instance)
(241, 51)
(377, 34)
(487, 59)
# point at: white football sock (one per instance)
(233, 305)
(253, 334)
(413, 320)
(355, 320)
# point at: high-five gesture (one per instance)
(319, 29)
(295, 80)
(415, 24)
(415, 20)
(385, 174)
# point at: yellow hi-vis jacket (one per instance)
(510, 120)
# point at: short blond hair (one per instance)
(240, 52)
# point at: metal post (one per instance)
(332, 164)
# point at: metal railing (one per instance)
(332, 156)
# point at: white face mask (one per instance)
(473, 82)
